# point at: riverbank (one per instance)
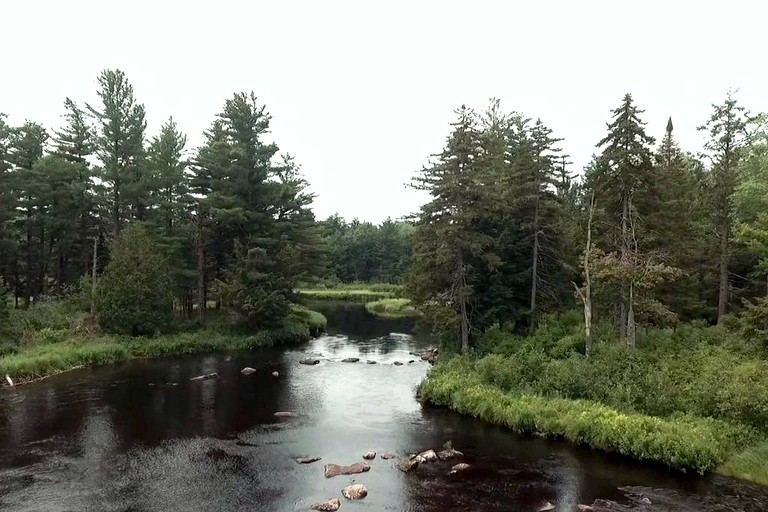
(693, 398)
(392, 308)
(41, 360)
(686, 443)
(356, 292)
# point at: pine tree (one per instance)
(727, 128)
(7, 210)
(449, 253)
(75, 143)
(165, 162)
(119, 143)
(621, 182)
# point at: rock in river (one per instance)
(449, 453)
(369, 455)
(207, 376)
(248, 370)
(370, 361)
(409, 464)
(328, 506)
(458, 467)
(306, 460)
(332, 470)
(275, 374)
(428, 455)
(354, 492)
(546, 507)
(309, 361)
(398, 363)
(284, 414)
(387, 456)
(350, 360)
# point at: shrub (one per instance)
(134, 295)
(391, 308)
(682, 442)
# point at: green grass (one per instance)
(45, 359)
(750, 464)
(392, 308)
(681, 442)
(353, 292)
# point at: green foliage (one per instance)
(358, 292)
(681, 442)
(134, 294)
(748, 464)
(392, 308)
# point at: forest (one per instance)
(633, 292)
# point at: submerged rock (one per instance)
(409, 464)
(354, 492)
(387, 456)
(586, 508)
(328, 506)
(370, 362)
(350, 360)
(369, 455)
(275, 374)
(458, 467)
(306, 460)
(284, 414)
(448, 453)
(309, 361)
(207, 376)
(546, 507)
(332, 470)
(428, 455)
(248, 370)
(398, 363)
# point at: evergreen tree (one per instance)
(119, 143)
(727, 128)
(7, 209)
(449, 254)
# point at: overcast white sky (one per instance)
(361, 92)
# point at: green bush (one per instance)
(392, 308)
(134, 296)
(682, 442)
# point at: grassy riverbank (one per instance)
(392, 308)
(61, 350)
(694, 399)
(358, 292)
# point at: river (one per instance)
(142, 437)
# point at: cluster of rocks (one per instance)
(447, 453)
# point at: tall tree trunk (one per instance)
(623, 316)
(535, 266)
(201, 299)
(464, 327)
(723, 291)
(93, 276)
(586, 295)
(631, 327)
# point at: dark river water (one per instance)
(143, 437)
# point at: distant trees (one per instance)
(364, 252)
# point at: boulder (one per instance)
(309, 361)
(458, 467)
(387, 456)
(207, 376)
(411, 361)
(409, 464)
(546, 507)
(448, 453)
(645, 501)
(398, 363)
(370, 362)
(248, 370)
(350, 360)
(306, 460)
(328, 506)
(332, 470)
(354, 492)
(284, 414)
(369, 455)
(275, 374)
(428, 455)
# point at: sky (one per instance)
(362, 92)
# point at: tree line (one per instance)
(648, 234)
(232, 215)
